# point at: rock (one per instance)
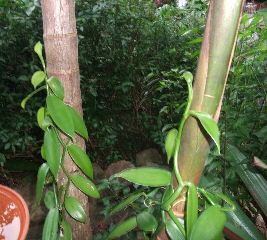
(98, 172)
(149, 157)
(117, 167)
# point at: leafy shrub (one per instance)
(20, 27)
(126, 48)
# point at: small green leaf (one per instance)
(209, 125)
(191, 208)
(239, 223)
(37, 78)
(173, 231)
(146, 176)
(188, 76)
(57, 87)
(146, 222)
(67, 232)
(38, 48)
(125, 202)
(50, 230)
(41, 177)
(75, 209)
(198, 40)
(60, 114)
(79, 125)
(81, 159)
(170, 143)
(52, 150)
(24, 101)
(41, 116)
(85, 185)
(123, 228)
(209, 225)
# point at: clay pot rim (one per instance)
(17, 198)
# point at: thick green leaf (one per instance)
(126, 202)
(67, 232)
(41, 177)
(52, 150)
(24, 101)
(173, 231)
(75, 209)
(170, 143)
(231, 230)
(146, 222)
(191, 208)
(146, 176)
(209, 125)
(79, 125)
(209, 225)
(57, 87)
(123, 228)
(254, 181)
(85, 185)
(50, 230)
(37, 78)
(49, 200)
(38, 48)
(60, 114)
(239, 223)
(40, 117)
(81, 159)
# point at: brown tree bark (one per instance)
(61, 49)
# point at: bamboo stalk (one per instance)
(215, 59)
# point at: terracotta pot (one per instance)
(14, 215)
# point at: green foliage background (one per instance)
(130, 53)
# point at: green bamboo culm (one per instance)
(215, 59)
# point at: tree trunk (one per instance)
(61, 49)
